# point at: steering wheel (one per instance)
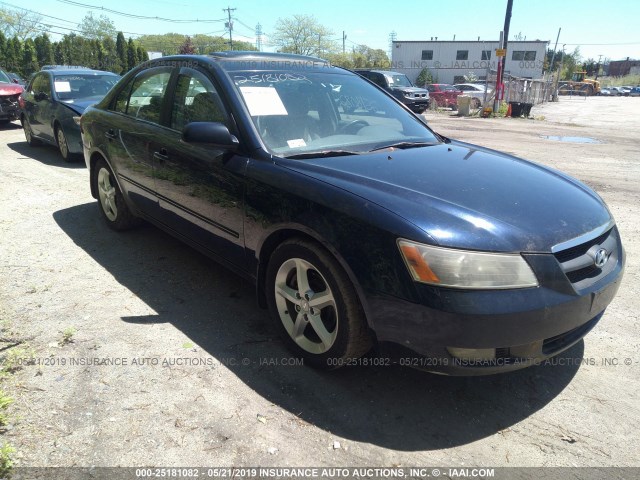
(353, 126)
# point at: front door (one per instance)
(200, 186)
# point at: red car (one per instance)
(9, 93)
(444, 95)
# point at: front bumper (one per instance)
(522, 327)
(9, 109)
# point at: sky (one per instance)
(597, 28)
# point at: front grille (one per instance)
(578, 262)
(9, 101)
(578, 250)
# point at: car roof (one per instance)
(248, 55)
(388, 72)
(250, 60)
(76, 71)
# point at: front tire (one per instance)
(314, 305)
(113, 208)
(63, 145)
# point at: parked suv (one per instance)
(417, 99)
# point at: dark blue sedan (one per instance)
(53, 101)
(359, 228)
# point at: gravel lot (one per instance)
(170, 362)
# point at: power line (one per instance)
(140, 17)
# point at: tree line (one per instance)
(25, 57)
(25, 46)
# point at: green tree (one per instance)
(110, 59)
(97, 28)
(44, 50)
(169, 43)
(425, 76)
(14, 55)
(121, 50)
(344, 60)
(570, 64)
(142, 54)
(303, 35)
(132, 54)
(29, 58)
(59, 55)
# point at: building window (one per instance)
(427, 54)
(528, 56)
(462, 55)
(486, 55)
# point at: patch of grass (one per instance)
(5, 401)
(67, 336)
(15, 359)
(619, 81)
(6, 462)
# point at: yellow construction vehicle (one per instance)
(579, 85)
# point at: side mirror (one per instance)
(40, 96)
(214, 133)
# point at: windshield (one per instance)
(398, 81)
(4, 78)
(80, 87)
(326, 113)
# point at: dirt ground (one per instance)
(169, 362)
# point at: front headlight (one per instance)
(447, 267)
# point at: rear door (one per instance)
(135, 123)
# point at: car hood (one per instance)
(465, 196)
(10, 89)
(79, 106)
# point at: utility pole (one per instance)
(598, 67)
(553, 57)
(259, 37)
(229, 25)
(501, 63)
(344, 37)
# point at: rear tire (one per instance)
(28, 133)
(111, 202)
(314, 305)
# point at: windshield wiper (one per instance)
(404, 145)
(323, 154)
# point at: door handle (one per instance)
(162, 156)
(110, 134)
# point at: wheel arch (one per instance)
(93, 159)
(278, 236)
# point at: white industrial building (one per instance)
(449, 61)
